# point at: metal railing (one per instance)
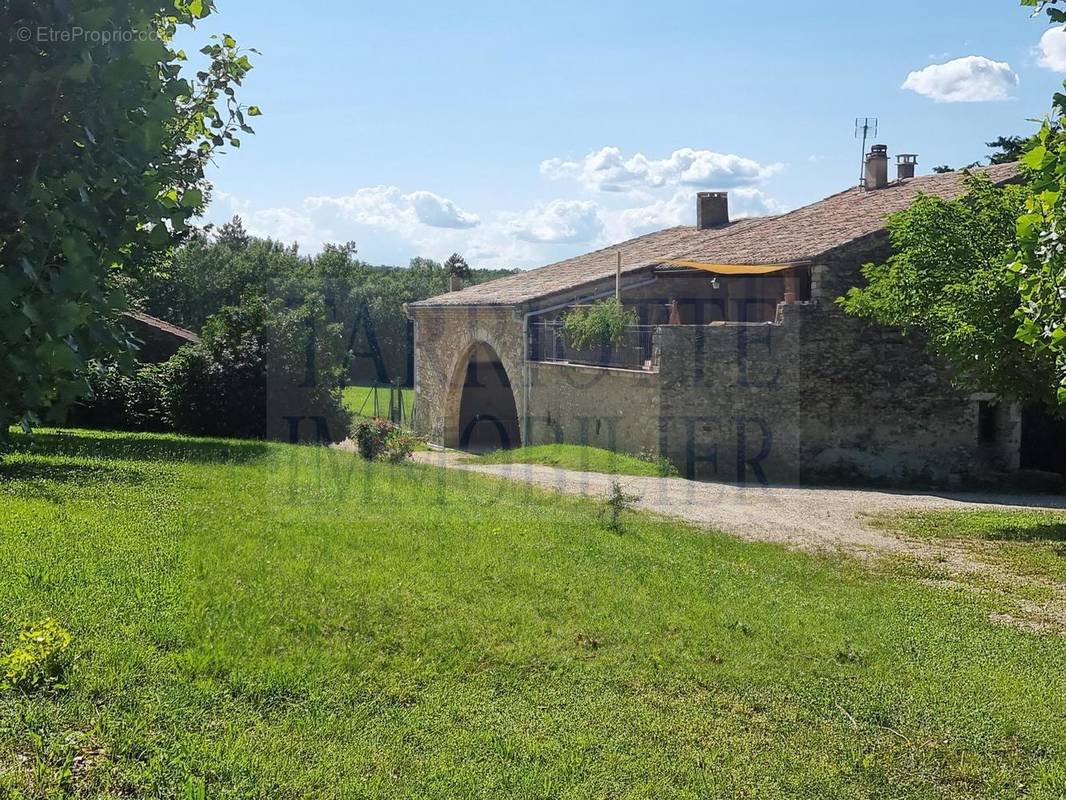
(637, 350)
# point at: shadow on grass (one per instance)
(138, 447)
(1046, 532)
(54, 480)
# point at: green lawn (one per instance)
(1028, 542)
(580, 457)
(360, 400)
(274, 621)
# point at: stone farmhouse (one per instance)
(742, 367)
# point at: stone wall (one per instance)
(444, 340)
(820, 397)
(609, 408)
(730, 402)
(876, 404)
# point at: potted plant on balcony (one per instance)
(601, 325)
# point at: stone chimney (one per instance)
(712, 209)
(905, 164)
(876, 168)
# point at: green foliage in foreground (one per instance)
(104, 141)
(258, 620)
(255, 365)
(37, 660)
(1040, 268)
(1029, 542)
(948, 280)
(580, 457)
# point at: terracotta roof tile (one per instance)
(799, 236)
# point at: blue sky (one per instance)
(422, 129)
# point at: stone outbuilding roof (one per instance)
(159, 339)
(798, 237)
(164, 327)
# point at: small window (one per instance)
(987, 422)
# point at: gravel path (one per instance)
(804, 518)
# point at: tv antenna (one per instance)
(867, 126)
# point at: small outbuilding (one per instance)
(159, 339)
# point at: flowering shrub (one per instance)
(38, 660)
(379, 439)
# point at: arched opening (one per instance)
(488, 417)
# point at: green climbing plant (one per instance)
(602, 324)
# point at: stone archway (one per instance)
(482, 413)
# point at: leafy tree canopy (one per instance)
(103, 144)
(1005, 149)
(209, 273)
(456, 266)
(948, 280)
(1040, 266)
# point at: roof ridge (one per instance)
(800, 235)
(731, 229)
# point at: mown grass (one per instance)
(1028, 542)
(578, 457)
(360, 400)
(276, 621)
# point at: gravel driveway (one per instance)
(809, 519)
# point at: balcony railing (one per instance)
(637, 350)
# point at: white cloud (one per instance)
(677, 210)
(609, 170)
(680, 209)
(440, 212)
(559, 222)
(387, 206)
(747, 201)
(971, 79)
(381, 206)
(1052, 49)
(390, 226)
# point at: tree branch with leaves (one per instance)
(103, 146)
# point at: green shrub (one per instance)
(39, 659)
(221, 390)
(599, 325)
(256, 365)
(379, 439)
(117, 401)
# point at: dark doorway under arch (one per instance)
(488, 417)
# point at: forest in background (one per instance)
(218, 269)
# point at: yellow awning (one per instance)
(731, 269)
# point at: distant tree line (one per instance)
(1005, 149)
(229, 267)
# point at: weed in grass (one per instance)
(39, 660)
(848, 654)
(617, 503)
(587, 642)
(743, 628)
